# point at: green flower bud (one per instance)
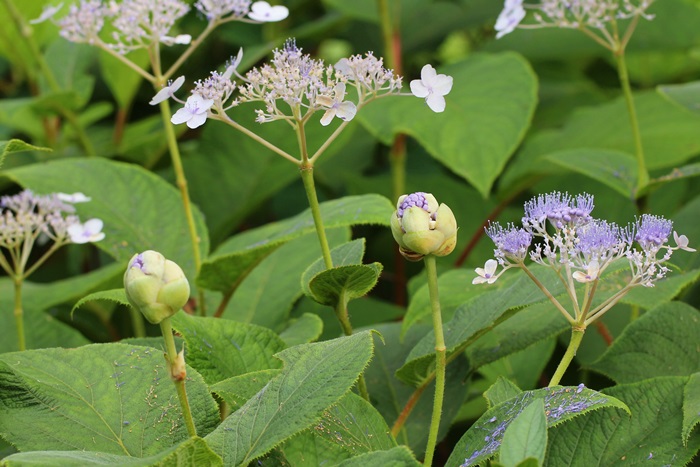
(155, 286)
(422, 227)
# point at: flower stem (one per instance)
(19, 314)
(178, 376)
(181, 182)
(307, 176)
(642, 174)
(440, 358)
(574, 343)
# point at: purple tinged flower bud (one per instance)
(421, 226)
(155, 286)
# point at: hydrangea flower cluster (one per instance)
(578, 246)
(140, 23)
(572, 14)
(27, 218)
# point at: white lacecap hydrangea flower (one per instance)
(194, 113)
(432, 87)
(266, 13)
(168, 91)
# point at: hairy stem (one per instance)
(440, 358)
(177, 374)
(307, 176)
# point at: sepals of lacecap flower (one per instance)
(421, 226)
(155, 286)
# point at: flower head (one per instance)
(652, 231)
(213, 9)
(432, 87)
(560, 209)
(511, 243)
(337, 107)
(194, 113)
(265, 13)
(368, 72)
(140, 23)
(84, 21)
(422, 227)
(155, 286)
(512, 14)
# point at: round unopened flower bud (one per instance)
(155, 286)
(422, 227)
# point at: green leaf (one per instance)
(662, 292)
(487, 115)
(390, 395)
(307, 448)
(267, 294)
(221, 348)
(691, 406)
(114, 295)
(399, 456)
(238, 389)
(235, 258)
(70, 63)
(140, 210)
(355, 426)
(668, 136)
(113, 398)
(651, 436)
(193, 451)
(314, 377)
(526, 436)
(307, 328)
(475, 318)
(342, 255)
(344, 283)
(14, 146)
(686, 95)
(678, 173)
(483, 439)
(662, 342)
(523, 367)
(616, 169)
(501, 391)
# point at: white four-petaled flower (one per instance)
(266, 13)
(336, 107)
(512, 14)
(487, 273)
(432, 87)
(194, 112)
(182, 39)
(168, 91)
(48, 13)
(682, 242)
(90, 231)
(591, 273)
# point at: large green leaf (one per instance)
(501, 391)
(651, 436)
(488, 112)
(235, 258)
(344, 283)
(307, 328)
(616, 169)
(399, 456)
(342, 255)
(267, 294)
(483, 439)
(475, 318)
(526, 436)
(193, 451)
(668, 136)
(662, 342)
(113, 398)
(315, 376)
(686, 95)
(140, 210)
(221, 348)
(236, 390)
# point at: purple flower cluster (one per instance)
(511, 242)
(416, 199)
(652, 231)
(559, 208)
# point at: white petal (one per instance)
(581, 277)
(325, 101)
(183, 39)
(162, 95)
(74, 198)
(197, 120)
(177, 84)
(346, 111)
(478, 280)
(327, 117)
(76, 233)
(93, 226)
(181, 116)
(491, 266)
(263, 12)
(418, 89)
(339, 92)
(427, 75)
(436, 103)
(442, 85)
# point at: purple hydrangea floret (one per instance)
(511, 242)
(416, 199)
(652, 231)
(598, 237)
(559, 208)
(138, 262)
